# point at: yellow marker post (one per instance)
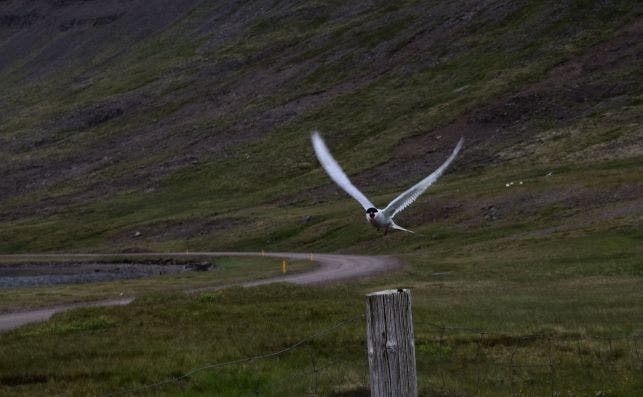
(312, 258)
(284, 266)
(263, 253)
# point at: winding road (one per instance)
(330, 268)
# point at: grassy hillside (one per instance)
(190, 122)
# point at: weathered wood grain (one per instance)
(391, 343)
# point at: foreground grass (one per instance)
(496, 324)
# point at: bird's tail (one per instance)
(398, 227)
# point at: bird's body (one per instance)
(378, 218)
(378, 221)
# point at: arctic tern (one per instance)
(379, 218)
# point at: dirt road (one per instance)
(330, 268)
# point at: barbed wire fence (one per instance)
(451, 360)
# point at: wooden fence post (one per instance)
(391, 344)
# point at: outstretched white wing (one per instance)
(335, 171)
(405, 199)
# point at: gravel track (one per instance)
(330, 268)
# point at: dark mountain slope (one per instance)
(189, 121)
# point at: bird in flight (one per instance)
(379, 218)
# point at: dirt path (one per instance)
(331, 268)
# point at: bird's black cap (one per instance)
(368, 211)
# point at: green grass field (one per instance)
(519, 318)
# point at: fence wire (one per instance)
(453, 360)
(193, 371)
